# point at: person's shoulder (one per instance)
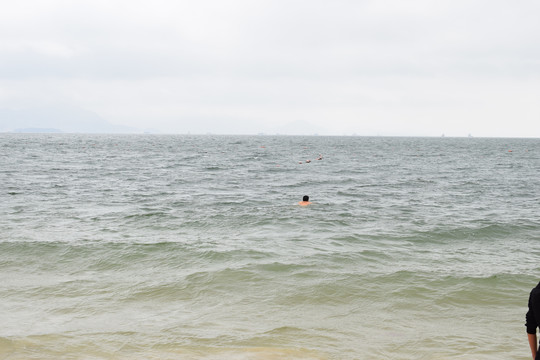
(304, 203)
(534, 295)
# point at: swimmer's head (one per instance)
(305, 198)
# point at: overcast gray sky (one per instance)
(420, 67)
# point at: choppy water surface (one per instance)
(194, 247)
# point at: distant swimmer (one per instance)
(305, 201)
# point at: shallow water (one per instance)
(194, 247)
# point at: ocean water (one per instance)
(194, 247)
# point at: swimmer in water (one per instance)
(305, 201)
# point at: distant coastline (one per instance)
(38, 131)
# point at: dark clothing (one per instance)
(533, 315)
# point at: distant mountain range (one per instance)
(76, 120)
(37, 130)
(57, 120)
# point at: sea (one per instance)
(195, 247)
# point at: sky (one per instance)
(336, 67)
